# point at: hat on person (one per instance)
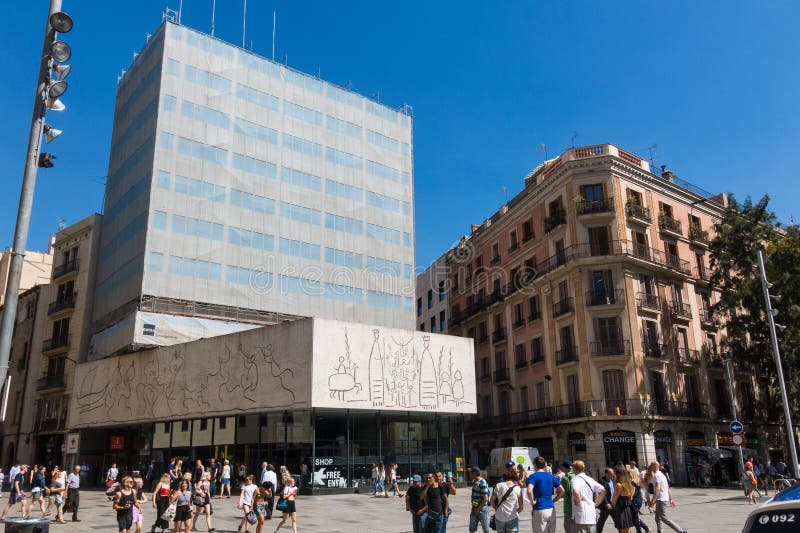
(510, 464)
(567, 464)
(415, 478)
(475, 470)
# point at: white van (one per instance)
(519, 456)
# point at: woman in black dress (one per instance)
(622, 502)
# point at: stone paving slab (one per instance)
(698, 510)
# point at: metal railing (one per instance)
(555, 220)
(60, 305)
(654, 350)
(610, 348)
(648, 301)
(688, 355)
(50, 382)
(667, 223)
(675, 262)
(605, 297)
(680, 310)
(586, 207)
(55, 343)
(697, 234)
(706, 315)
(562, 307)
(65, 268)
(567, 355)
(638, 212)
(499, 335)
(520, 362)
(501, 375)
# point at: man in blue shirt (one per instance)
(541, 485)
(479, 512)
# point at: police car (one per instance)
(779, 514)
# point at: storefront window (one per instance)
(620, 446)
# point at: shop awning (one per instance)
(708, 450)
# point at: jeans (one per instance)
(479, 517)
(416, 523)
(381, 485)
(432, 526)
(661, 516)
(374, 485)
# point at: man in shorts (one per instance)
(17, 495)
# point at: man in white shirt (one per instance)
(263, 477)
(13, 472)
(587, 494)
(73, 493)
(662, 496)
(271, 477)
(112, 474)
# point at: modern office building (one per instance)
(242, 192)
(432, 297)
(589, 301)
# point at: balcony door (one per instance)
(614, 392)
(573, 396)
(640, 242)
(602, 287)
(600, 241)
(650, 338)
(659, 392)
(608, 333)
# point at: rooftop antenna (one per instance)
(180, 11)
(318, 73)
(505, 193)
(213, 12)
(62, 224)
(650, 151)
(574, 136)
(349, 85)
(244, 23)
(274, 29)
(542, 148)
(285, 59)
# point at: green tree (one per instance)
(743, 230)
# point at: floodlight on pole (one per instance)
(61, 22)
(51, 133)
(46, 160)
(54, 104)
(62, 71)
(60, 51)
(56, 88)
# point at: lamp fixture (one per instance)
(60, 51)
(46, 160)
(62, 71)
(54, 104)
(51, 133)
(61, 22)
(56, 88)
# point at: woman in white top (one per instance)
(508, 503)
(289, 494)
(246, 502)
(225, 479)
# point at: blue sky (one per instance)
(712, 84)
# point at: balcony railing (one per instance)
(675, 262)
(654, 350)
(562, 307)
(520, 362)
(605, 297)
(519, 322)
(56, 343)
(637, 212)
(697, 234)
(499, 335)
(706, 315)
(50, 382)
(537, 358)
(587, 207)
(566, 355)
(555, 220)
(648, 301)
(65, 268)
(610, 348)
(702, 273)
(679, 310)
(667, 223)
(60, 305)
(483, 338)
(501, 375)
(688, 356)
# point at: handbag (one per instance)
(169, 512)
(109, 482)
(251, 517)
(492, 522)
(282, 504)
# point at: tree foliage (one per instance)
(744, 229)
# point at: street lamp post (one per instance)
(46, 87)
(778, 365)
(728, 359)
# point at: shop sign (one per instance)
(618, 437)
(327, 474)
(724, 439)
(459, 464)
(662, 438)
(576, 439)
(695, 438)
(117, 443)
(73, 441)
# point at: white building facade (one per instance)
(242, 191)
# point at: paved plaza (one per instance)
(717, 510)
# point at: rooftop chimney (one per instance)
(474, 227)
(666, 174)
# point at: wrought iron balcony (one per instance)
(555, 220)
(520, 362)
(676, 263)
(605, 297)
(60, 305)
(707, 316)
(587, 207)
(654, 350)
(637, 212)
(667, 223)
(679, 310)
(610, 348)
(50, 382)
(499, 335)
(502, 375)
(648, 301)
(65, 268)
(562, 307)
(697, 234)
(56, 343)
(688, 356)
(566, 355)
(519, 322)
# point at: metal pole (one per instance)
(213, 11)
(244, 22)
(778, 365)
(274, 28)
(26, 199)
(729, 373)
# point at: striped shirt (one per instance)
(480, 489)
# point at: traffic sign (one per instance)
(736, 427)
(738, 439)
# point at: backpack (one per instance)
(637, 500)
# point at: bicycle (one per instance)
(780, 482)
